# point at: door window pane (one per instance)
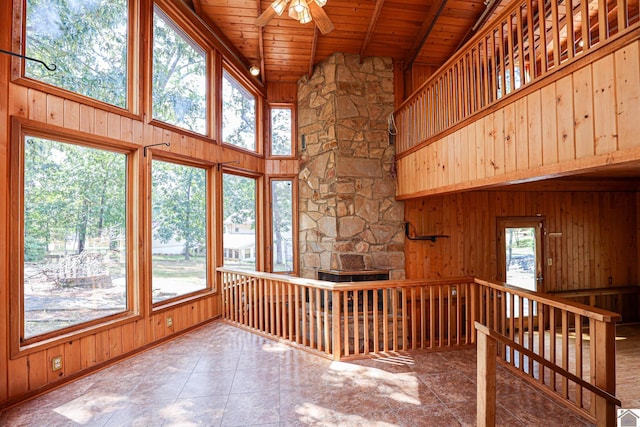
(281, 132)
(179, 231)
(179, 76)
(521, 257)
(282, 225)
(75, 253)
(239, 237)
(86, 40)
(238, 114)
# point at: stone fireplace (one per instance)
(349, 218)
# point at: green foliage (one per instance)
(87, 40)
(239, 198)
(238, 114)
(179, 77)
(179, 205)
(281, 143)
(72, 193)
(34, 250)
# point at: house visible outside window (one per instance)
(179, 76)
(75, 252)
(86, 40)
(281, 132)
(282, 225)
(238, 114)
(240, 210)
(179, 230)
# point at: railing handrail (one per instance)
(474, 78)
(615, 290)
(541, 360)
(552, 301)
(556, 302)
(348, 286)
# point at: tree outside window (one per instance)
(75, 249)
(86, 40)
(281, 132)
(238, 114)
(239, 213)
(179, 76)
(282, 225)
(179, 231)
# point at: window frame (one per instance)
(134, 96)
(195, 38)
(20, 130)
(294, 223)
(209, 168)
(259, 122)
(294, 133)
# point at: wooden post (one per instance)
(487, 353)
(335, 324)
(603, 370)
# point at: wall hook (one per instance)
(168, 144)
(51, 67)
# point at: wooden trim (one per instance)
(269, 222)
(371, 27)
(20, 128)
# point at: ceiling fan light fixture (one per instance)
(304, 16)
(298, 6)
(279, 6)
(321, 3)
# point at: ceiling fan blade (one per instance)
(320, 17)
(265, 17)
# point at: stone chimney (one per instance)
(349, 218)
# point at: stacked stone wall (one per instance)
(349, 218)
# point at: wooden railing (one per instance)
(577, 342)
(343, 320)
(526, 42)
(488, 341)
(356, 319)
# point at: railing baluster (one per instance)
(555, 33)
(376, 331)
(385, 320)
(552, 346)
(578, 358)
(565, 352)
(345, 300)
(405, 331)
(327, 326)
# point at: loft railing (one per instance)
(358, 319)
(526, 42)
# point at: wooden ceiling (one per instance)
(413, 31)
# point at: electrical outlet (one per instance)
(169, 321)
(56, 363)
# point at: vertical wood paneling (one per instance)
(565, 115)
(627, 82)
(549, 125)
(590, 229)
(604, 102)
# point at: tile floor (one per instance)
(219, 375)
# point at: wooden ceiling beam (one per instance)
(314, 46)
(372, 26)
(425, 30)
(197, 7)
(263, 71)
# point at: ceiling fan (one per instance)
(303, 11)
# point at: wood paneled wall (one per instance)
(589, 236)
(584, 117)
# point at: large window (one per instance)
(179, 76)
(281, 131)
(179, 230)
(75, 252)
(86, 40)
(239, 213)
(238, 114)
(282, 225)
